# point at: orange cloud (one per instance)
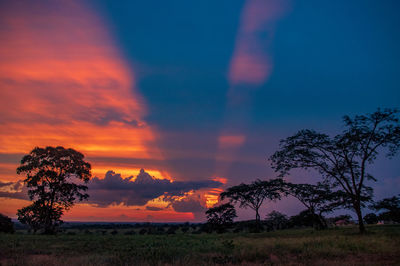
(64, 82)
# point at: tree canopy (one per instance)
(318, 199)
(390, 208)
(253, 195)
(55, 178)
(342, 160)
(220, 217)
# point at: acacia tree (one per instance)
(276, 220)
(220, 217)
(318, 199)
(55, 178)
(253, 195)
(392, 207)
(342, 160)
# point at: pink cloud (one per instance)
(231, 141)
(251, 63)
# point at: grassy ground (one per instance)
(380, 246)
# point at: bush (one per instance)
(371, 218)
(6, 225)
(276, 221)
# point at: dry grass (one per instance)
(381, 246)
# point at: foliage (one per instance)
(36, 215)
(253, 195)
(6, 225)
(392, 207)
(318, 199)
(305, 219)
(221, 217)
(276, 221)
(371, 218)
(54, 179)
(342, 160)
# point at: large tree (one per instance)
(55, 178)
(253, 195)
(343, 159)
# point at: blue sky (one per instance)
(219, 83)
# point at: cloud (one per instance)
(65, 82)
(129, 191)
(151, 208)
(187, 206)
(228, 141)
(190, 205)
(114, 189)
(251, 62)
(14, 190)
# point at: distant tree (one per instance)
(221, 217)
(392, 207)
(6, 225)
(318, 199)
(276, 220)
(304, 219)
(54, 179)
(371, 218)
(253, 195)
(342, 160)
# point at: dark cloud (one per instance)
(5, 184)
(150, 208)
(116, 189)
(14, 190)
(190, 205)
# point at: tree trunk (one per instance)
(257, 221)
(361, 226)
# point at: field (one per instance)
(335, 246)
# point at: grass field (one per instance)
(337, 246)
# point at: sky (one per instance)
(174, 101)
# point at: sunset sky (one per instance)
(195, 93)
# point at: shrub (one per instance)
(6, 225)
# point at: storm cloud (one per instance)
(114, 189)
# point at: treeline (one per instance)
(318, 201)
(341, 161)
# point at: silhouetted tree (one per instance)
(392, 207)
(54, 179)
(253, 195)
(38, 213)
(6, 225)
(276, 221)
(342, 160)
(371, 218)
(221, 217)
(318, 199)
(304, 218)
